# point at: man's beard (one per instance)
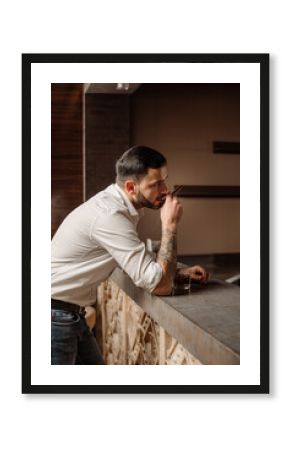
(144, 203)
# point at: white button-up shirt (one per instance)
(92, 240)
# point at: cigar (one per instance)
(177, 189)
(171, 193)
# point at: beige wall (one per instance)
(182, 121)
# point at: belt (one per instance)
(64, 306)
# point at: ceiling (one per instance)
(111, 88)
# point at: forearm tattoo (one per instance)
(167, 254)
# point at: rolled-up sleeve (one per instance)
(118, 236)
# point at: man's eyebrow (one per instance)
(158, 181)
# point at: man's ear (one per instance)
(129, 186)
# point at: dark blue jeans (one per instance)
(72, 342)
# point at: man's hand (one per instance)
(170, 213)
(196, 273)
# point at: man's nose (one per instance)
(164, 189)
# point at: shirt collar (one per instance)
(132, 210)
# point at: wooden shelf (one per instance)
(210, 191)
(226, 147)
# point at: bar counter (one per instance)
(206, 322)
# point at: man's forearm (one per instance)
(166, 257)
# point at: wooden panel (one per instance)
(107, 135)
(209, 191)
(127, 335)
(66, 150)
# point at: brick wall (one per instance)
(107, 136)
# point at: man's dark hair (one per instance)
(136, 161)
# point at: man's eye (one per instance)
(157, 184)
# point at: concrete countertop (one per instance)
(206, 321)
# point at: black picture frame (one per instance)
(263, 61)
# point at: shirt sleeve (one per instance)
(118, 236)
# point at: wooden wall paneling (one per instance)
(66, 150)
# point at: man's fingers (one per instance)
(205, 278)
(195, 276)
(200, 275)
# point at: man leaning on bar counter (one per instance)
(100, 235)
